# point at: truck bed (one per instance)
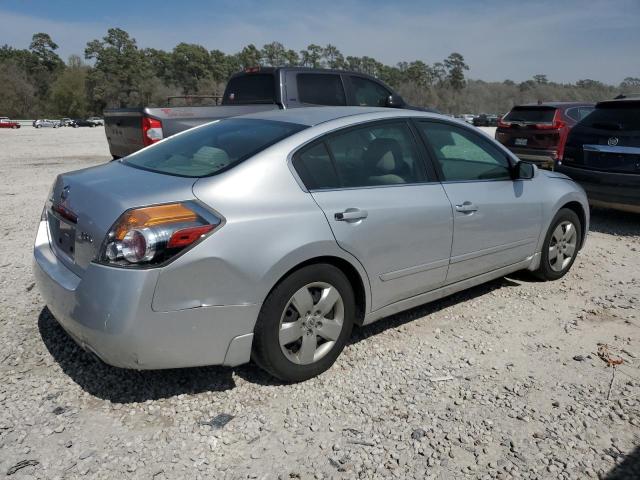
(123, 126)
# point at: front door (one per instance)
(497, 220)
(372, 185)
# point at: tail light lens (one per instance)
(151, 236)
(503, 124)
(151, 130)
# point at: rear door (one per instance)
(383, 206)
(497, 220)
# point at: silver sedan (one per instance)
(267, 237)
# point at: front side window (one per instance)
(212, 148)
(320, 89)
(375, 155)
(463, 155)
(368, 93)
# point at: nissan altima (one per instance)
(269, 236)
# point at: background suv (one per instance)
(603, 154)
(537, 133)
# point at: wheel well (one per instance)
(352, 275)
(577, 208)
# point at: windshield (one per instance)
(614, 116)
(531, 114)
(212, 148)
(250, 88)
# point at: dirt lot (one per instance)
(501, 381)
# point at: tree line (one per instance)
(115, 72)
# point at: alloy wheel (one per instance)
(562, 246)
(311, 323)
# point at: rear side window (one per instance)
(375, 155)
(320, 89)
(316, 169)
(531, 114)
(250, 88)
(368, 93)
(213, 148)
(615, 116)
(579, 113)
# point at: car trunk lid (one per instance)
(85, 204)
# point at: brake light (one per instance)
(252, 69)
(153, 235)
(151, 131)
(503, 124)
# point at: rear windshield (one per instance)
(531, 114)
(614, 116)
(212, 148)
(250, 88)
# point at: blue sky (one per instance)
(565, 39)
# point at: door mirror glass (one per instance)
(525, 170)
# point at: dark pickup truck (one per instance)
(254, 90)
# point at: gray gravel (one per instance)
(485, 384)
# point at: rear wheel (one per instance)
(560, 245)
(304, 323)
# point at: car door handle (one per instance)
(466, 207)
(351, 214)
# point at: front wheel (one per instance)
(560, 246)
(304, 323)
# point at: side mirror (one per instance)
(394, 101)
(524, 171)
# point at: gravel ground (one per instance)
(501, 381)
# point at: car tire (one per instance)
(76, 126)
(284, 337)
(14, 126)
(561, 245)
(38, 126)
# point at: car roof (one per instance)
(311, 116)
(556, 104)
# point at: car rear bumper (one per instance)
(620, 191)
(108, 312)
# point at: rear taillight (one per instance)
(151, 130)
(153, 235)
(503, 124)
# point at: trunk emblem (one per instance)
(613, 141)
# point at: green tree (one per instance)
(191, 64)
(68, 92)
(122, 75)
(273, 54)
(455, 67)
(250, 56)
(312, 56)
(332, 57)
(540, 79)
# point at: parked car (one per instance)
(602, 154)
(46, 123)
(485, 120)
(269, 236)
(6, 122)
(254, 90)
(538, 132)
(97, 121)
(78, 122)
(66, 122)
(466, 117)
